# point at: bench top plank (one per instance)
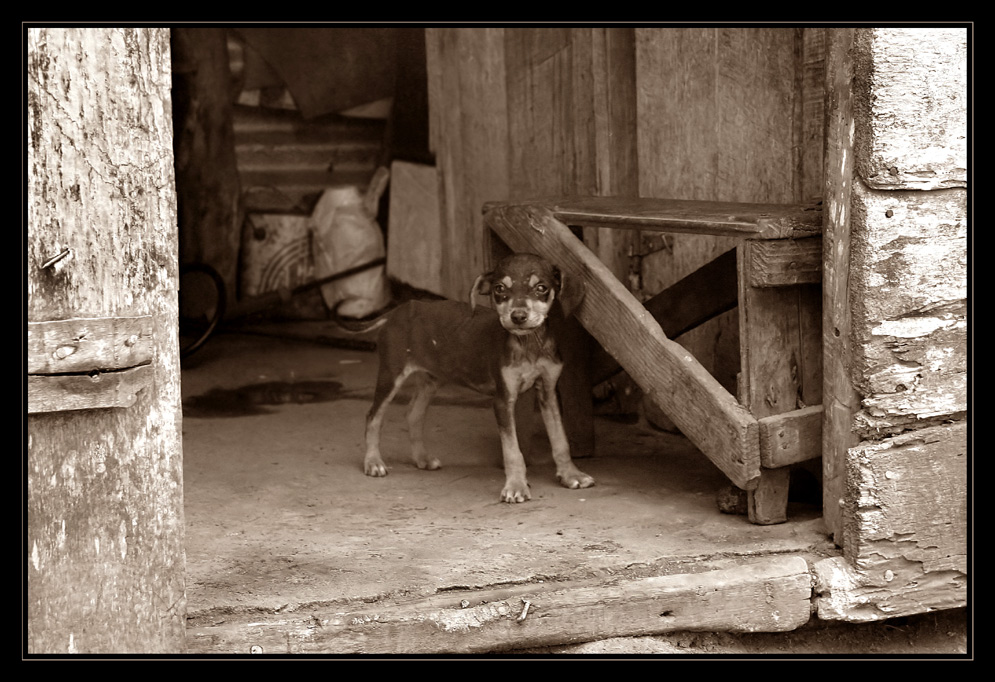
(744, 220)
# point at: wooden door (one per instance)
(104, 541)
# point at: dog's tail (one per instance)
(360, 325)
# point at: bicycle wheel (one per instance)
(202, 305)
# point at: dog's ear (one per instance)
(481, 286)
(570, 291)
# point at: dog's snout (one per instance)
(519, 316)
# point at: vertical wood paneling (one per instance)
(572, 120)
(469, 132)
(717, 120)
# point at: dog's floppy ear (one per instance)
(482, 286)
(570, 291)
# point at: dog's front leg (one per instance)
(566, 472)
(516, 487)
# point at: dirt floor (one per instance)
(280, 516)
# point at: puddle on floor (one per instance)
(255, 399)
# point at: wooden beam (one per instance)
(670, 376)
(785, 262)
(703, 295)
(757, 221)
(85, 344)
(791, 437)
(62, 392)
(771, 595)
(840, 399)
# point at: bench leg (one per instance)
(768, 503)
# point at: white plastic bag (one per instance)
(347, 235)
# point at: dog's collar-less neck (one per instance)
(534, 345)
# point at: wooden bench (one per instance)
(774, 276)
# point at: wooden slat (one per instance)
(758, 221)
(63, 392)
(469, 121)
(772, 595)
(670, 376)
(785, 262)
(791, 437)
(840, 398)
(86, 344)
(706, 293)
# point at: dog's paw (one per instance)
(515, 491)
(374, 467)
(430, 463)
(575, 479)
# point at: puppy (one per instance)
(501, 352)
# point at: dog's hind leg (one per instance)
(427, 386)
(387, 386)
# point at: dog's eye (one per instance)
(542, 289)
(499, 288)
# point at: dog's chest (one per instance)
(527, 361)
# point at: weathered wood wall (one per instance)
(468, 131)
(526, 112)
(725, 114)
(895, 322)
(709, 114)
(104, 539)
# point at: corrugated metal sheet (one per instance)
(285, 161)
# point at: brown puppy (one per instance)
(501, 352)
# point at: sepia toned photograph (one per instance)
(517, 342)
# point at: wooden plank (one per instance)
(907, 528)
(791, 437)
(85, 344)
(670, 376)
(704, 294)
(772, 595)
(414, 235)
(840, 399)
(715, 123)
(755, 88)
(610, 136)
(813, 114)
(914, 126)
(755, 221)
(785, 262)
(63, 392)
(469, 117)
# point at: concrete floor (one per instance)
(279, 513)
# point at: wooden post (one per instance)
(839, 399)
(207, 182)
(781, 358)
(104, 533)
